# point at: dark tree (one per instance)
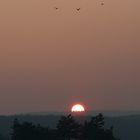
(16, 130)
(67, 128)
(94, 129)
(28, 131)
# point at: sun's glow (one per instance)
(78, 108)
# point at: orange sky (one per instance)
(50, 58)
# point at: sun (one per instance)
(77, 108)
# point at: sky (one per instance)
(51, 59)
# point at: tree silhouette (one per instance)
(95, 130)
(16, 130)
(28, 131)
(68, 128)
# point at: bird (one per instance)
(102, 4)
(78, 9)
(56, 8)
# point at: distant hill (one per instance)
(89, 113)
(125, 127)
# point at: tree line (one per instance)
(67, 129)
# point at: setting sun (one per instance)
(78, 108)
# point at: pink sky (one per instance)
(51, 58)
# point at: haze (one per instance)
(51, 58)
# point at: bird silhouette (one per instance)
(56, 8)
(78, 9)
(102, 3)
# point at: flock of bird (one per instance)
(78, 9)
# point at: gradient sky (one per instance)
(51, 58)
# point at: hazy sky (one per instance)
(51, 58)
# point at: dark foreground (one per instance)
(125, 127)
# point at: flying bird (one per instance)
(56, 8)
(78, 9)
(102, 3)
